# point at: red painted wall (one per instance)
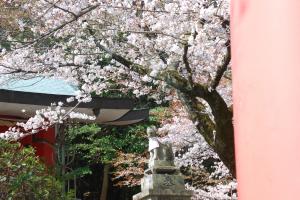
(43, 144)
(266, 95)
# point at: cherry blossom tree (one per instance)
(162, 49)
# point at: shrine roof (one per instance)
(39, 85)
(38, 93)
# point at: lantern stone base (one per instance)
(163, 187)
(163, 195)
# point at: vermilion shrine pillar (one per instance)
(266, 92)
(42, 142)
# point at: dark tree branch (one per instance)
(16, 70)
(120, 59)
(223, 142)
(82, 13)
(203, 122)
(224, 139)
(222, 68)
(187, 64)
(47, 10)
(63, 9)
(144, 10)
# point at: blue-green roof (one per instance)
(40, 85)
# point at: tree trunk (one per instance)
(104, 188)
(223, 140)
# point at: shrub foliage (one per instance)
(23, 176)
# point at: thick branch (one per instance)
(12, 70)
(223, 142)
(224, 138)
(121, 59)
(187, 64)
(203, 122)
(144, 10)
(222, 68)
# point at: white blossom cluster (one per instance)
(219, 192)
(42, 120)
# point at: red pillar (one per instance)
(266, 93)
(43, 144)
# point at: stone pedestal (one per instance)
(163, 195)
(163, 187)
